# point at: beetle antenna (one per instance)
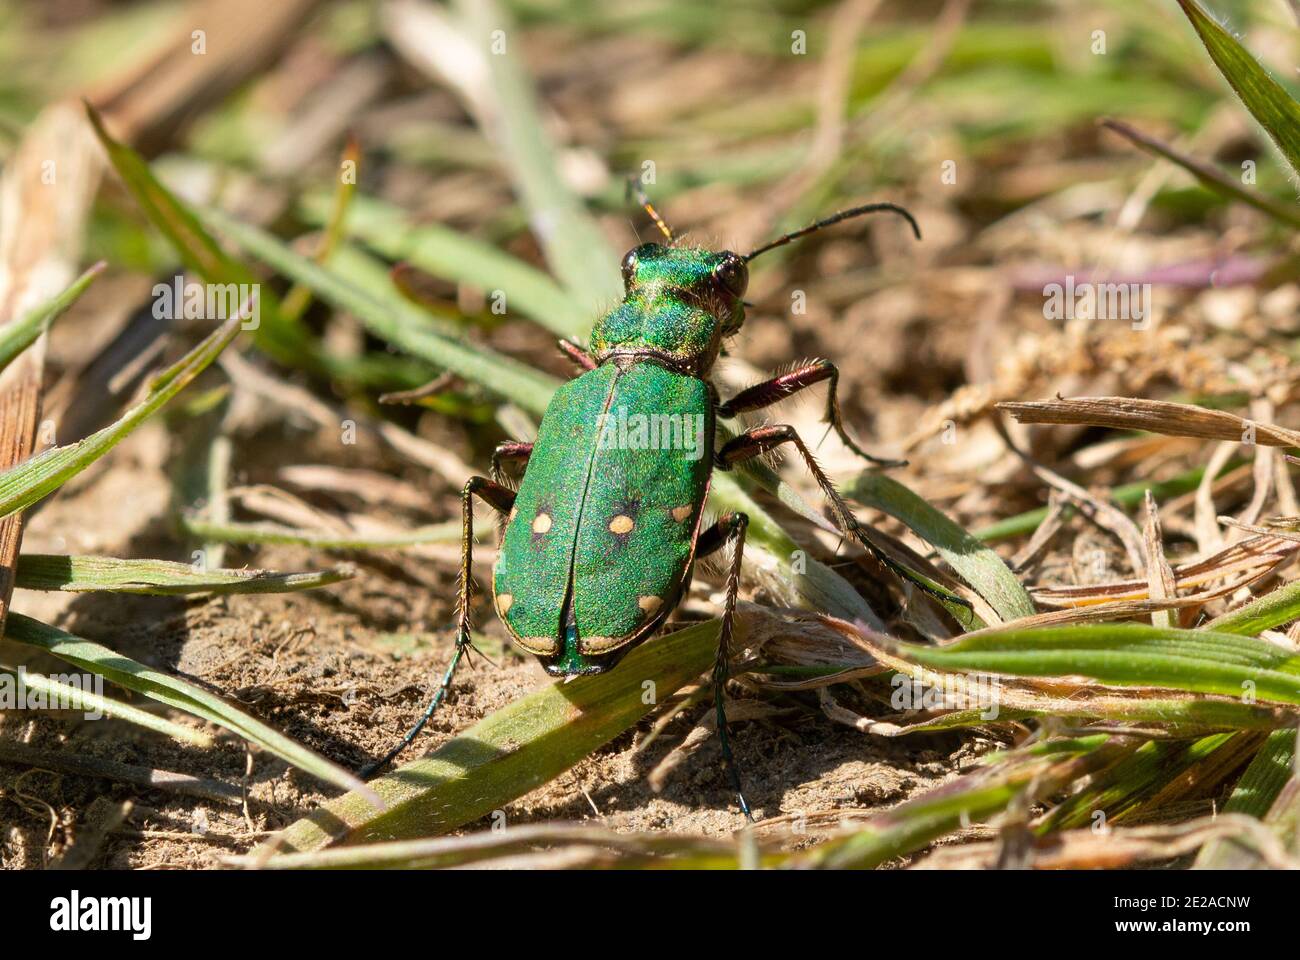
(634, 189)
(833, 219)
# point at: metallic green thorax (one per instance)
(599, 546)
(677, 305)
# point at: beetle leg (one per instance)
(512, 451)
(501, 499)
(730, 528)
(758, 441)
(806, 375)
(578, 355)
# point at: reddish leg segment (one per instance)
(578, 355)
(512, 451)
(778, 388)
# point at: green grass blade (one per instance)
(87, 701)
(453, 256)
(916, 826)
(1198, 661)
(197, 250)
(1267, 774)
(1120, 790)
(969, 799)
(512, 751)
(159, 577)
(1264, 792)
(230, 532)
(1273, 609)
(401, 324)
(297, 300)
(281, 337)
(368, 273)
(1268, 101)
(977, 564)
(1128, 495)
(179, 694)
(19, 335)
(576, 249)
(23, 485)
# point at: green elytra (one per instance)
(606, 525)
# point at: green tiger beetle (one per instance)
(602, 536)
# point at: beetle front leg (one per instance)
(578, 355)
(501, 499)
(760, 440)
(730, 528)
(778, 388)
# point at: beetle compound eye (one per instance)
(647, 251)
(732, 274)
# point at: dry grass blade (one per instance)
(1234, 566)
(1155, 416)
(1160, 576)
(969, 799)
(146, 777)
(598, 847)
(148, 99)
(1209, 175)
(41, 227)
(1119, 847)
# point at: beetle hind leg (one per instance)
(730, 528)
(501, 499)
